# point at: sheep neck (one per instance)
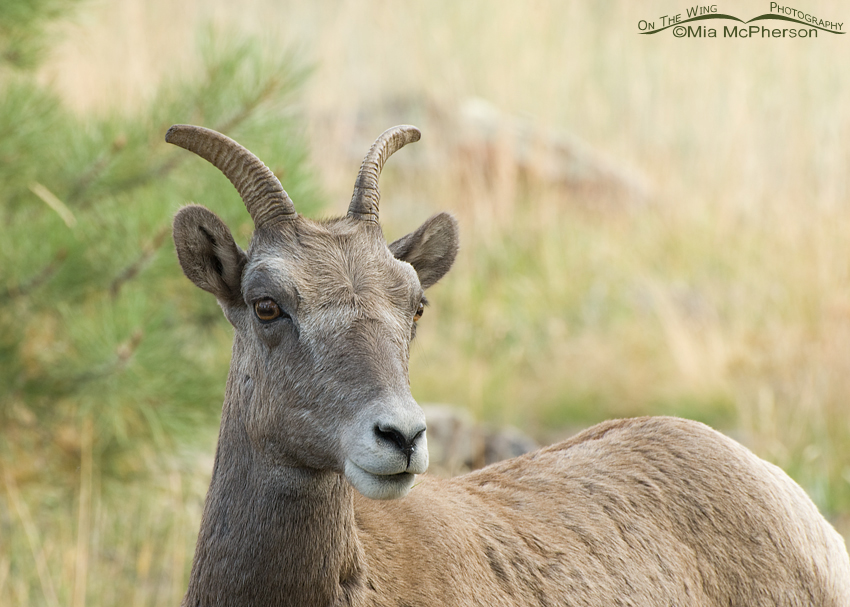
(273, 536)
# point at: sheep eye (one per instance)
(267, 310)
(419, 311)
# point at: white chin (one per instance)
(378, 486)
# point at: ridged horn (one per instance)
(364, 201)
(264, 197)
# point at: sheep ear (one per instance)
(431, 249)
(209, 256)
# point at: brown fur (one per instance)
(649, 511)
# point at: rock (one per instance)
(457, 444)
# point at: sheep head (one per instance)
(324, 313)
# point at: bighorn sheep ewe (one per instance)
(319, 428)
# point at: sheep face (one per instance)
(324, 313)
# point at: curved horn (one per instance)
(260, 190)
(364, 201)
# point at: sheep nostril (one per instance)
(397, 438)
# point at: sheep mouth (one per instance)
(378, 486)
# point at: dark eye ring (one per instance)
(267, 310)
(419, 311)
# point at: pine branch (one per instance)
(132, 270)
(123, 354)
(42, 276)
(96, 169)
(272, 87)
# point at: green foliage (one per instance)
(96, 321)
(23, 29)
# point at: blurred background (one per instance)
(649, 225)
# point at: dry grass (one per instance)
(723, 296)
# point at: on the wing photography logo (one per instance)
(788, 23)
